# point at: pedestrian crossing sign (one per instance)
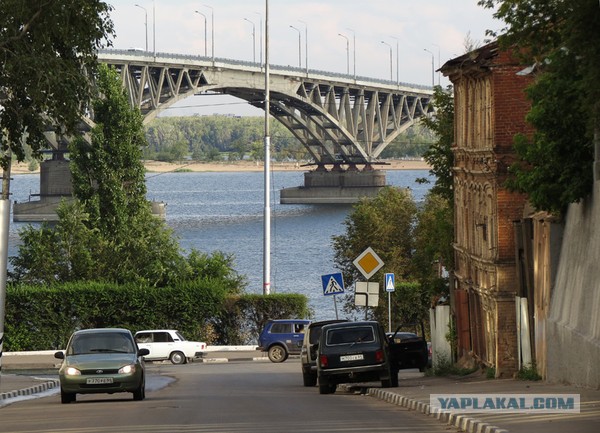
(389, 282)
(333, 284)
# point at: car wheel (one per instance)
(277, 353)
(67, 397)
(325, 387)
(177, 358)
(310, 379)
(140, 393)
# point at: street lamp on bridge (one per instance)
(299, 46)
(260, 38)
(145, 23)
(347, 52)
(212, 30)
(253, 40)
(305, 45)
(205, 32)
(432, 67)
(397, 59)
(391, 59)
(439, 65)
(353, 51)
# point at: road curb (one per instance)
(463, 422)
(221, 360)
(48, 384)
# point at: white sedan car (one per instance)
(168, 344)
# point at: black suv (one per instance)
(354, 352)
(308, 354)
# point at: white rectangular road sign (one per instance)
(366, 294)
(389, 282)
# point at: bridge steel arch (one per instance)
(340, 119)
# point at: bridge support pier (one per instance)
(335, 186)
(55, 186)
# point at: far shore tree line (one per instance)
(234, 138)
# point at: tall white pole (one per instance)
(4, 228)
(267, 211)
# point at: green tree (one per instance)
(64, 252)
(384, 223)
(560, 43)
(434, 236)
(109, 181)
(440, 155)
(108, 175)
(46, 48)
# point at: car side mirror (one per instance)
(143, 352)
(59, 355)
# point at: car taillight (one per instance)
(323, 360)
(379, 356)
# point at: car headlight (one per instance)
(72, 371)
(128, 369)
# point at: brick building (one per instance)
(490, 108)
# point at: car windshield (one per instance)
(363, 334)
(100, 342)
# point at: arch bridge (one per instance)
(340, 119)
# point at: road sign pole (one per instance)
(335, 305)
(389, 311)
(367, 301)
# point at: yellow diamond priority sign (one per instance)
(368, 263)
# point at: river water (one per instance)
(223, 211)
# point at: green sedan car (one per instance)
(103, 360)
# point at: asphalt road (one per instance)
(229, 397)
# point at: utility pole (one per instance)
(267, 174)
(4, 228)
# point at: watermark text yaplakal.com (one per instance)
(501, 403)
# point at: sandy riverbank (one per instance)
(161, 167)
(165, 167)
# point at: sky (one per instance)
(419, 31)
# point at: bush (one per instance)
(43, 317)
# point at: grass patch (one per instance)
(529, 372)
(182, 170)
(445, 367)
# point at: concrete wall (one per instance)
(573, 326)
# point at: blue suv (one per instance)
(281, 338)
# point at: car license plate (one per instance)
(357, 357)
(98, 380)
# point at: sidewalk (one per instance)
(414, 393)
